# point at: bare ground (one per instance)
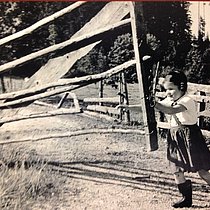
(111, 171)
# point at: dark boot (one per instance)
(186, 190)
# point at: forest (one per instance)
(169, 39)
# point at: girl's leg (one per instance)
(179, 177)
(185, 188)
(205, 175)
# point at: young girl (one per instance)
(186, 149)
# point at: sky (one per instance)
(202, 8)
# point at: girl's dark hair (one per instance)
(179, 79)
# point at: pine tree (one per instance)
(120, 52)
(170, 23)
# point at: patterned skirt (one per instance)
(187, 149)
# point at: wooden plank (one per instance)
(205, 113)
(40, 23)
(55, 68)
(93, 114)
(73, 44)
(206, 133)
(167, 126)
(194, 88)
(39, 115)
(31, 98)
(41, 103)
(72, 84)
(163, 125)
(103, 109)
(97, 108)
(197, 98)
(138, 33)
(75, 133)
(65, 96)
(114, 100)
(71, 81)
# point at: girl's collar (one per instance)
(180, 97)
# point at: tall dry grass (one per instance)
(24, 180)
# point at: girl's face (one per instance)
(172, 90)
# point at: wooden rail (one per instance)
(56, 112)
(103, 109)
(166, 125)
(193, 88)
(75, 43)
(40, 23)
(197, 98)
(114, 100)
(62, 86)
(72, 84)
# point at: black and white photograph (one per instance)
(104, 105)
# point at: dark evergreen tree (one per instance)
(120, 52)
(197, 61)
(193, 65)
(170, 23)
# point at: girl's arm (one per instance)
(168, 109)
(135, 107)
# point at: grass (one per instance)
(24, 182)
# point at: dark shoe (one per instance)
(186, 190)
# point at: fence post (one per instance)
(126, 100)
(101, 91)
(3, 89)
(62, 100)
(138, 34)
(201, 107)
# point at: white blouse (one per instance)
(188, 117)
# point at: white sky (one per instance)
(202, 7)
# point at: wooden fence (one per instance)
(200, 93)
(82, 41)
(115, 13)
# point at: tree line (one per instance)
(169, 39)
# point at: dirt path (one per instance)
(100, 170)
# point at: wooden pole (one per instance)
(72, 45)
(62, 100)
(201, 107)
(67, 82)
(138, 34)
(40, 23)
(101, 91)
(126, 101)
(121, 97)
(74, 133)
(72, 84)
(3, 89)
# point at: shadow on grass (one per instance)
(120, 174)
